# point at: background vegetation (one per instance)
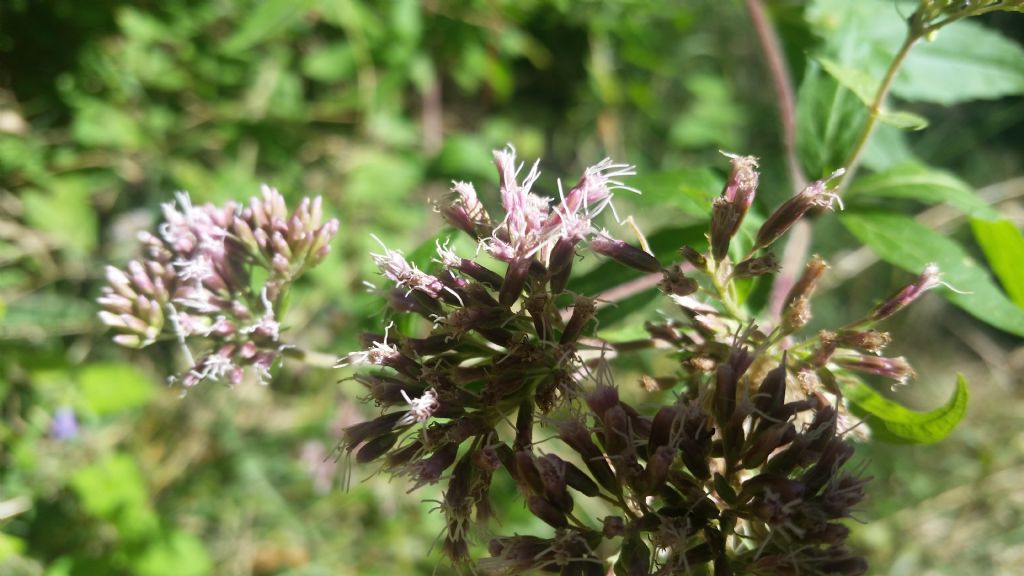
(108, 106)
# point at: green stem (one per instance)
(875, 109)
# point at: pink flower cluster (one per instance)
(195, 282)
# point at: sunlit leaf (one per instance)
(1003, 245)
(904, 242)
(110, 387)
(925, 184)
(905, 424)
(965, 61)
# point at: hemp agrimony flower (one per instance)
(195, 283)
(743, 473)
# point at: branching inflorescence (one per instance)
(196, 285)
(744, 471)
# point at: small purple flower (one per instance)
(64, 425)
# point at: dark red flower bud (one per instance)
(480, 273)
(698, 260)
(725, 393)
(358, 433)
(526, 472)
(546, 511)
(625, 253)
(756, 266)
(515, 279)
(579, 480)
(658, 465)
(766, 442)
(578, 437)
(560, 263)
(674, 282)
(771, 395)
(613, 527)
(376, 448)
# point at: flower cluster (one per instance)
(744, 472)
(196, 282)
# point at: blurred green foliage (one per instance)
(108, 106)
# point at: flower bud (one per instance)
(546, 511)
(625, 253)
(756, 266)
(514, 281)
(376, 448)
(560, 263)
(897, 369)
(613, 527)
(815, 195)
(868, 340)
(676, 283)
(582, 311)
(725, 218)
(929, 278)
(694, 257)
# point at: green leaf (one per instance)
(1003, 245)
(857, 81)
(905, 424)
(886, 148)
(110, 387)
(268, 19)
(965, 61)
(904, 242)
(829, 120)
(925, 184)
(903, 119)
(180, 554)
(65, 213)
(689, 190)
(113, 490)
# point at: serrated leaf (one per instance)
(905, 424)
(965, 61)
(929, 185)
(904, 242)
(1003, 245)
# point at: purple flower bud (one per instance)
(929, 278)
(815, 195)
(624, 253)
(515, 280)
(897, 369)
(560, 263)
(725, 218)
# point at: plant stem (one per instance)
(783, 86)
(874, 110)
